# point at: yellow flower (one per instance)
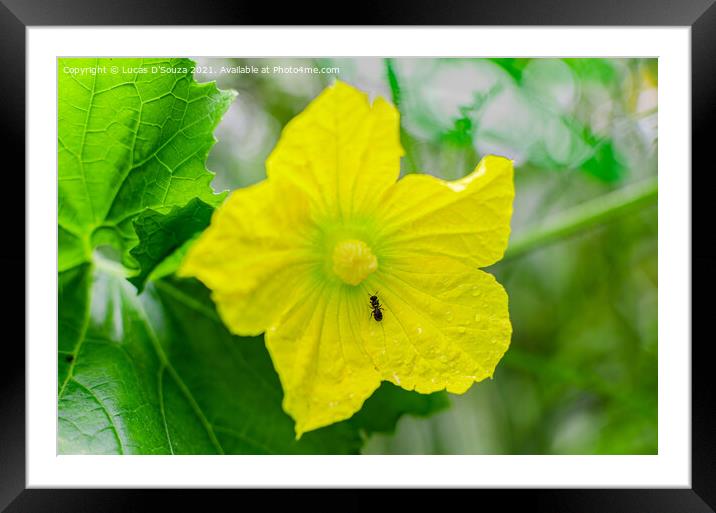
(298, 255)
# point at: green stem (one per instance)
(595, 212)
(109, 266)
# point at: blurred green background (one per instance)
(581, 374)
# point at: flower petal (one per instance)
(445, 324)
(255, 255)
(325, 372)
(341, 150)
(468, 219)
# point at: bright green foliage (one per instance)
(161, 234)
(130, 141)
(581, 376)
(157, 372)
(513, 66)
(160, 374)
(604, 163)
(549, 114)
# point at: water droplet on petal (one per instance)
(419, 331)
(462, 329)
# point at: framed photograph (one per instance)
(455, 254)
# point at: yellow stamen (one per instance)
(353, 261)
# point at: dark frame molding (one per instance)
(17, 15)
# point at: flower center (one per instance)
(353, 261)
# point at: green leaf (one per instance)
(159, 374)
(131, 137)
(513, 66)
(73, 250)
(383, 409)
(392, 82)
(160, 235)
(605, 163)
(73, 291)
(170, 264)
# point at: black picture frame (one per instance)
(17, 15)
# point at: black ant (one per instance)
(377, 310)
